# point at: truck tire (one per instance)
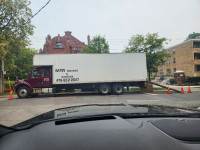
(23, 92)
(104, 89)
(118, 89)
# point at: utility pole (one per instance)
(1, 77)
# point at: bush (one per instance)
(194, 80)
(152, 78)
(6, 84)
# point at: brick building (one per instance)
(184, 56)
(66, 44)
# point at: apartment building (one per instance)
(184, 56)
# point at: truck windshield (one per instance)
(64, 53)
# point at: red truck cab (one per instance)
(40, 77)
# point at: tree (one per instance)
(98, 44)
(192, 36)
(15, 27)
(23, 63)
(152, 45)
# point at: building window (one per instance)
(168, 72)
(174, 69)
(161, 71)
(59, 45)
(77, 48)
(174, 60)
(168, 62)
(196, 56)
(197, 68)
(174, 51)
(196, 44)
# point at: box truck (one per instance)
(106, 73)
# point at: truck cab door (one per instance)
(37, 78)
(47, 78)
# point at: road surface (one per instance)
(17, 110)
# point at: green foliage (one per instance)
(153, 78)
(23, 64)
(98, 44)
(158, 88)
(194, 80)
(7, 93)
(6, 84)
(137, 89)
(192, 36)
(152, 45)
(15, 27)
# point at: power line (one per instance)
(38, 12)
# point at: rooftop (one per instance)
(198, 40)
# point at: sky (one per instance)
(117, 20)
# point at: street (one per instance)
(17, 110)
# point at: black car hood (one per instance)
(104, 109)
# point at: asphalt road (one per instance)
(17, 110)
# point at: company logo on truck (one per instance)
(60, 70)
(68, 76)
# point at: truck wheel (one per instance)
(104, 89)
(118, 89)
(23, 92)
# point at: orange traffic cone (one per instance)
(10, 97)
(189, 90)
(169, 92)
(182, 91)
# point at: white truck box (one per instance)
(94, 68)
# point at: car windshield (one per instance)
(65, 59)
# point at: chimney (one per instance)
(48, 39)
(88, 39)
(68, 33)
(40, 51)
(58, 37)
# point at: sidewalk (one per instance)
(193, 88)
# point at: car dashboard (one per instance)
(107, 132)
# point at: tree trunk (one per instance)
(1, 77)
(149, 76)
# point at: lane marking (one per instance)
(142, 100)
(151, 94)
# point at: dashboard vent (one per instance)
(77, 120)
